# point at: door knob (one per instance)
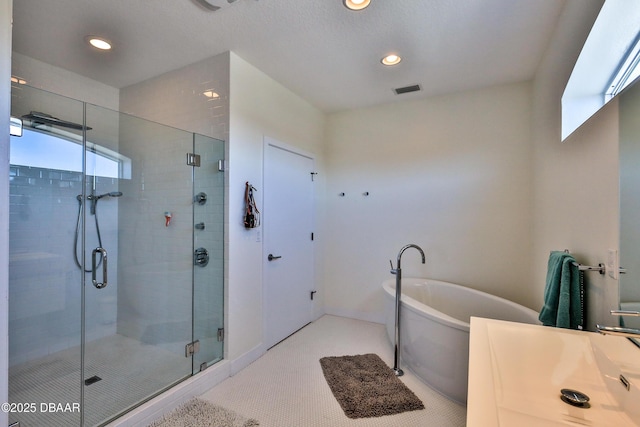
(271, 257)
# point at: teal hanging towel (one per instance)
(563, 293)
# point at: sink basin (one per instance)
(528, 365)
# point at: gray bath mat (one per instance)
(366, 387)
(200, 413)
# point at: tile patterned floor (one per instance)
(286, 387)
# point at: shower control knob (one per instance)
(200, 198)
(201, 257)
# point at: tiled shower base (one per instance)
(130, 372)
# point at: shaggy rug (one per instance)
(366, 387)
(200, 413)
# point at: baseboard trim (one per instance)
(241, 362)
(357, 315)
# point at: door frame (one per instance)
(270, 141)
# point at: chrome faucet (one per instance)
(619, 331)
(398, 272)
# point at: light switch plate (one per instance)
(612, 263)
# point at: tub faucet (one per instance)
(398, 272)
(616, 330)
(404, 248)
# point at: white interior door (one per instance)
(288, 218)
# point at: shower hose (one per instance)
(75, 239)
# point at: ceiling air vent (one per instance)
(214, 4)
(407, 89)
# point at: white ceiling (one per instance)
(316, 48)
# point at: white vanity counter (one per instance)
(516, 372)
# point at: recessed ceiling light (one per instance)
(356, 4)
(19, 80)
(211, 94)
(98, 42)
(392, 59)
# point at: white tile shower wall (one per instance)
(49, 197)
(44, 282)
(208, 280)
(194, 98)
(156, 260)
(179, 99)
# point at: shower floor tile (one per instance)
(129, 372)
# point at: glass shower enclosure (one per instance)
(115, 259)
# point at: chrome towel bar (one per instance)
(600, 268)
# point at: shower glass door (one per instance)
(109, 300)
(138, 303)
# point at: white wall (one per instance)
(575, 184)
(5, 112)
(481, 181)
(259, 107)
(451, 174)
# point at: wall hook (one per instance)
(341, 194)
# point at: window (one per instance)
(626, 73)
(607, 63)
(52, 151)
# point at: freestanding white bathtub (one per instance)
(434, 328)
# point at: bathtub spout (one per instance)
(404, 248)
(398, 272)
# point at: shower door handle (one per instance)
(103, 252)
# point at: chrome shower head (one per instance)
(111, 194)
